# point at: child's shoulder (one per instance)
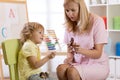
(28, 44)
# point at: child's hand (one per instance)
(52, 55)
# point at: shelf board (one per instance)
(115, 4)
(58, 53)
(114, 57)
(113, 30)
(99, 5)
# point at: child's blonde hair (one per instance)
(83, 24)
(28, 29)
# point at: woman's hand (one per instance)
(77, 49)
(68, 60)
(72, 49)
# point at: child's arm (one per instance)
(34, 63)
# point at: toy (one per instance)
(71, 41)
(52, 40)
(44, 75)
(72, 45)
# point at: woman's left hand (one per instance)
(76, 48)
(72, 48)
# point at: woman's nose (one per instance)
(70, 13)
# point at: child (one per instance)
(29, 61)
(86, 60)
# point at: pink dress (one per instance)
(91, 69)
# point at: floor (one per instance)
(53, 75)
(6, 79)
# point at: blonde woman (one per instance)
(86, 59)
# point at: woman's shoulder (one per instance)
(95, 17)
(96, 21)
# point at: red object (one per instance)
(105, 21)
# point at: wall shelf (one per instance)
(109, 9)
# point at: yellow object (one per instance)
(10, 53)
(25, 70)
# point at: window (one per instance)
(49, 13)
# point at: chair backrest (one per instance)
(10, 53)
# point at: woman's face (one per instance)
(72, 10)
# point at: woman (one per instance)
(86, 59)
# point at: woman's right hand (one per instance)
(71, 49)
(68, 60)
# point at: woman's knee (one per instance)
(62, 67)
(61, 71)
(73, 73)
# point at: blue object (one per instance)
(51, 48)
(118, 49)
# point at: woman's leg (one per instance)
(73, 74)
(61, 71)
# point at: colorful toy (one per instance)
(71, 41)
(72, 45)
(52, 40)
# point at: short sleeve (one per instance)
(100, 33)
(66, 40)
(29, 50)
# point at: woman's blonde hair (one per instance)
(83, 16)
(28, 29)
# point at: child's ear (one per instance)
(30, 35)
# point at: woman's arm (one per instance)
(93, 53)
(70, 55)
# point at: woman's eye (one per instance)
(67, 10)
(73, 10)
(39, 32)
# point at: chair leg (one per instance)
(1, 70)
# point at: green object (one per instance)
(116, 22)
(10, 49)
(50, 44)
